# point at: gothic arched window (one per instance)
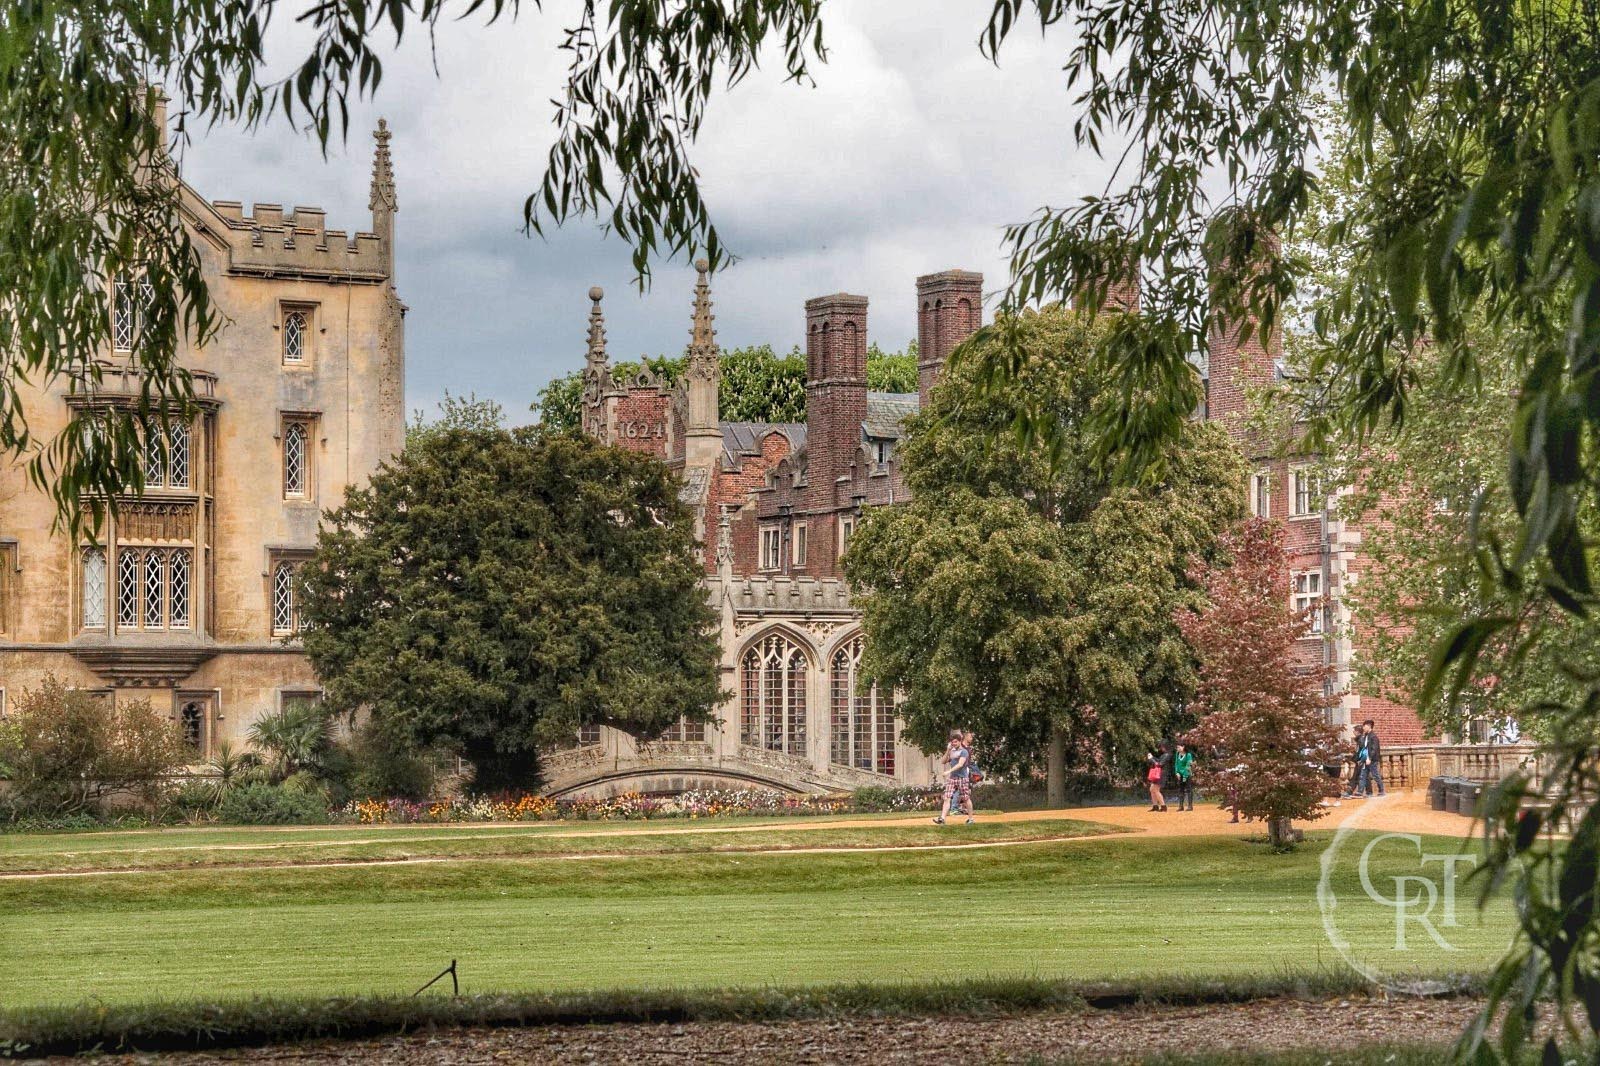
(294, 337)
(773, 687)
(863, 727)
(94, 588)
(193, 721)
(294, 459)
(285, 620)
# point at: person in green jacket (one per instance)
(1183, 775)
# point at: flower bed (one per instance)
(633, 806)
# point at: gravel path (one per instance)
(1113, 1036)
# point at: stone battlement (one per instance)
(269, 242)
(788, 594)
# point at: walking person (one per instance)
(1183, 776)
(1358, 769)
(958, 784)
(1374, 757)
(1153, 774)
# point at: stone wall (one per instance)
(234, 512)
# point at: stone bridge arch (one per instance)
(658, 779)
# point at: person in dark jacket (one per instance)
(1374, 757)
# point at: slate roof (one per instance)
(743, 438)
(886, 411)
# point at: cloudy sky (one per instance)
(907, 156)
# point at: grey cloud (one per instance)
(908, 156)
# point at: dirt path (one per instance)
(1406, 812)
(1119, 1036)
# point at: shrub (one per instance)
(192, 801)
(264, 804)
(68, 750)
(909, 798)
(384, 766)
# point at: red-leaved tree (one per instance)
(1261, 735)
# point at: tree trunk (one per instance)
(1281, 833)
(1055, 774)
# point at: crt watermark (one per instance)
(1408, 911)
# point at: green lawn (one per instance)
(234, 847)
(1111, 908)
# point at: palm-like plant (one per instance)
(294, 738)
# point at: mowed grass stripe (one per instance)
(535, 843)
(90, 840)
(1092, 910)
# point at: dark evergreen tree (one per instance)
(495, 590)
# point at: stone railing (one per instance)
(1411, 766)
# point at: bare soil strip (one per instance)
(1125, 1035)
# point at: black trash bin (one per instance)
(1436, 789)
(1471, 796)
(1452, 795)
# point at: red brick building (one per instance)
(776, 506)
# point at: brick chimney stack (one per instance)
(949, 310)
(836, 390)
(1235, 366)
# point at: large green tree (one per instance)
(496, 590)
(1033, 600)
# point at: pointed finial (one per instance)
(703, 354)
(597, 329)
(383, 192)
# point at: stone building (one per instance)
(777, 503)
(185, 596)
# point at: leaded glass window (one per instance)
(294, 459)
(284, 620)
(128, 301)
(863, 726)
(178, 592)
(155, 587)
(773, 713)
(178, 456)
(94, 588)
(294, 337)
(122, 315)
(154, 461)
(194, 724)
(130, 573)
